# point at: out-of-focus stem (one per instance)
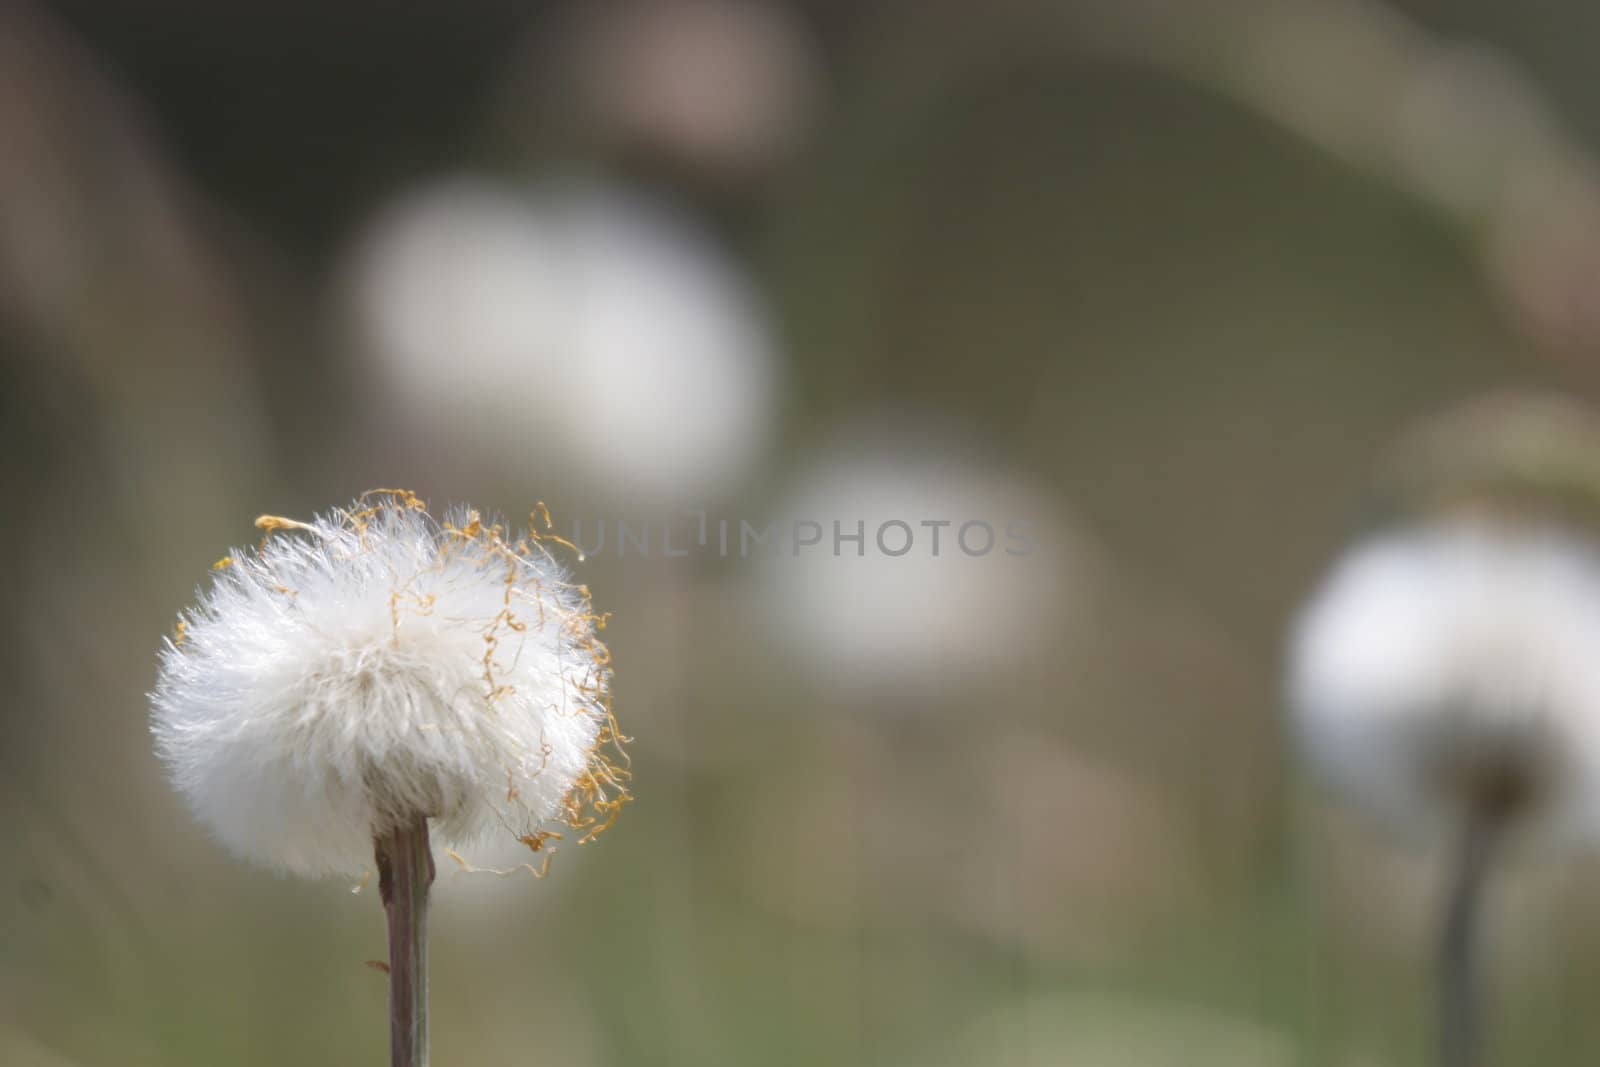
(1460, 999)
(405, 871)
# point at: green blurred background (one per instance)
(1160, 279)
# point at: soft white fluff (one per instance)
(374, 665)
(918, 622)
(583, 321)
(1435, 648)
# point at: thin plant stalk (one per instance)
(1460, 1003)
(405, 872)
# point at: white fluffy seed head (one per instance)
(1454, 664)
(939, 529)
(374, 665)
(583, 321)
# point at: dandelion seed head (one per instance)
(937, 528)
(586, 321)
(376, 664)
(1447, 667)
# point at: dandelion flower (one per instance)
(583, 321)
(909, 566)
(1444, 676)
(1445, 667)
(1451, 667)
(365, 674)
(376, 665)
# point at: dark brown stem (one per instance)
(405, 871)
(1460, 1007)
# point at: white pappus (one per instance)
(1455, 664)
(376, 665)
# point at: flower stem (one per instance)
(1460, 1009)
(405, 871)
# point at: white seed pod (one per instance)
(1450, 666)
(375, 665)
(586, 322)
(902, 562)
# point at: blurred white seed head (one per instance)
(374, 665)
(581, 321)
(1451, 667)
(929, 567)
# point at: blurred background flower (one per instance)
(927, 566)
(576, 329)
(1161, 279)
